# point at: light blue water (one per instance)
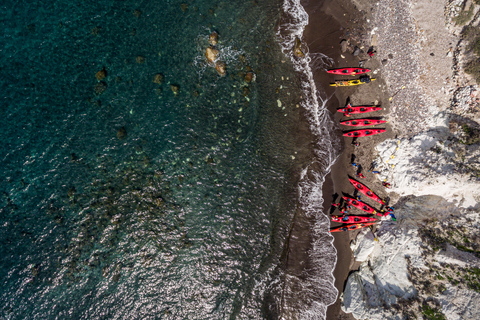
(186, 216)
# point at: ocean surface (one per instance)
(137, 183)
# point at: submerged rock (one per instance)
(213, 38)
(122, 133)
(137, 13)
(100, 88)
(140, 59)
(211, 54)
(100, 75)
(175, 88)
(249, 77)
(158, 78)
(221, 68)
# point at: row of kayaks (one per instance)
(351, 72)
(358, 222)
(354, 222)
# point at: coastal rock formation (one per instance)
(211, 54)
(414, 262)
(432, 163)
(363, 245)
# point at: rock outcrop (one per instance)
(413, 267)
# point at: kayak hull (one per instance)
(352, 219)
(361, 205)
(349, 83)
(351, 227)
(359, 109)
(362, 122)
(363, 189)
(348, 71)
(363, 133)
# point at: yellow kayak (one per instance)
(348, 83)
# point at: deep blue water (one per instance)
(122, 200)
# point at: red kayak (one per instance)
(363, 132)
(358, 109)
(352, 219)
(348, 71)
(352, 227)
(362, 122)
(363, 189)
(362, 206)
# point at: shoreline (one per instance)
(339, 20)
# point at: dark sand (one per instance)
(329, 22)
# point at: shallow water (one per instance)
(123, 200)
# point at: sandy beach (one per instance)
(330, 23)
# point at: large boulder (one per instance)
(211, 54)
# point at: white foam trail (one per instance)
(317, 290)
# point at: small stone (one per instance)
(175, 88)
(100, 75)
(432, 54)
(384, 61)
(297, 49)
(122, 133)
(356, 51)
(343, 45)
(100, 88)
(221, 67)
(95, 31)
(390, 56)
(158, 78)
(140, 59)
(71, 192)
(248, 77)
(246, 91)
(137, 13)
(213, 38)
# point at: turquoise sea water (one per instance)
(123, 200)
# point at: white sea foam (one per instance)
(317, 290)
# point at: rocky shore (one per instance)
(426, 264)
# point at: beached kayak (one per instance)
(349, 83)
(362, 122)
(363, 189)
(348, 71)
(353, 227)
(363, 132)
(362, 206)
(352, 219)
(358, 109)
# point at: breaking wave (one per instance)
(307, 296)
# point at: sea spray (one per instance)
(308, 296)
